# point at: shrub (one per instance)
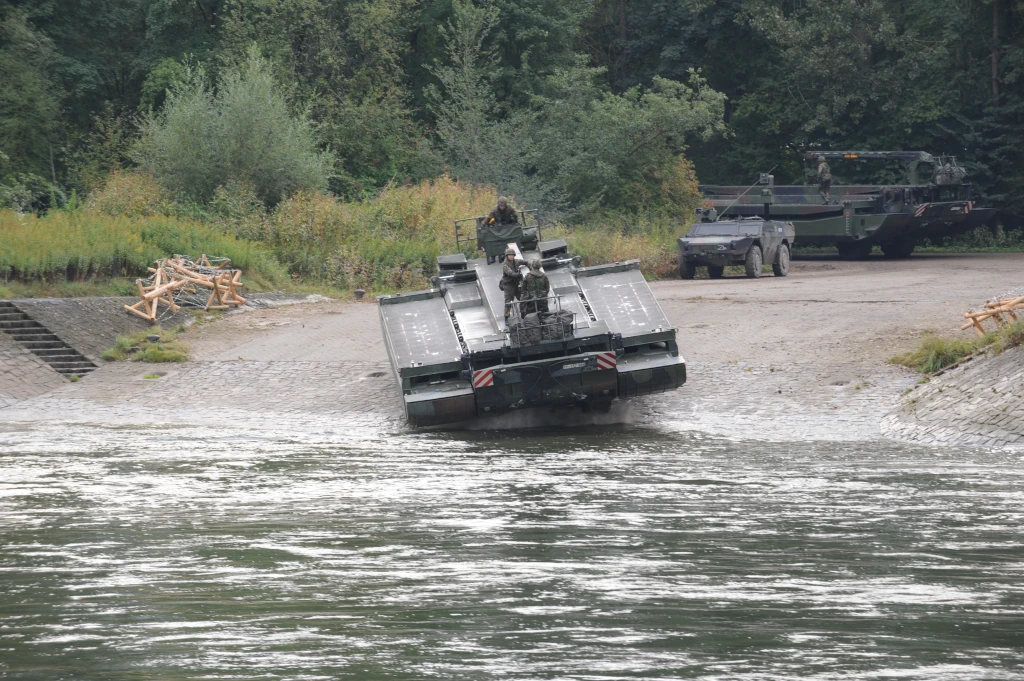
(386, 243)
(243, 131)
(26, 192)
(131, 194)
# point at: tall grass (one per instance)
(80, 245)
(935, 353)
(654, 245)
(389, 242)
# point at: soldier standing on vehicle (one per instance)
(509, 283)
(824, 180)
(535, 289)
(502, 214)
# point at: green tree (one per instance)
(622, 152)
(29, 100)
(478, 143)
(241, 132)
(346, 61)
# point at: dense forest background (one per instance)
(588, 107)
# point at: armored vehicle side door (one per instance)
(771, 237)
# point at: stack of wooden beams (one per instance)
(181, 282)
(994, 310)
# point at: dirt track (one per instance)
(826, 312)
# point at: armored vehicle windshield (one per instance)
(726, 228)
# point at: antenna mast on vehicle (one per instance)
(763, 179)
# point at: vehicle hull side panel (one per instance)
(647, 378)
(441, 411)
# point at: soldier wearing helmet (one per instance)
(510, 277)
(824, 180)
(536, 288)
(503, 214)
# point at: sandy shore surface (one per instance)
(800, 357)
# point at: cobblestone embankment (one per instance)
(22, 374)
(89, 325)
(980, 403)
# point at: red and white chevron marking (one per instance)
(483, 378)
(920, 210)
(606, 360)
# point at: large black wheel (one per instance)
(716, 271)
(898, 248)
(687, 270)
(753, 262)
(781, 265)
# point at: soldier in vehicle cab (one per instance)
(503, 214)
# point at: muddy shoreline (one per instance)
(794, 358)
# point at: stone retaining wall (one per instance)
(980, 403)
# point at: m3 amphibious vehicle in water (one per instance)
(456, 357)
(931, 205)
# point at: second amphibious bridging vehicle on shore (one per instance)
(455, 357)
(931, 205)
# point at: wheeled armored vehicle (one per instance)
(750, 242)
(455, 357)
(935, 202)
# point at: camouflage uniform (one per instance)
(535, 287)
(509, 283)
(824, 180)
(503, 217)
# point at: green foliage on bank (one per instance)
(84, 245)
(936, 353)
(138, 347)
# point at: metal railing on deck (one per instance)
(551, 324)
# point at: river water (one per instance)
(618, 552)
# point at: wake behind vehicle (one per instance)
(750, 242)
(455, 358)
(935, 202)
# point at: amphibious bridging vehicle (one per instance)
(895, 216)
(456, 358)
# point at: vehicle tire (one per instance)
(753, 263)
(716, 271)
(898, 248)
(781, 265)
(687, 270)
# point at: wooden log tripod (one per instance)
(994, 309)
(179, 273)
